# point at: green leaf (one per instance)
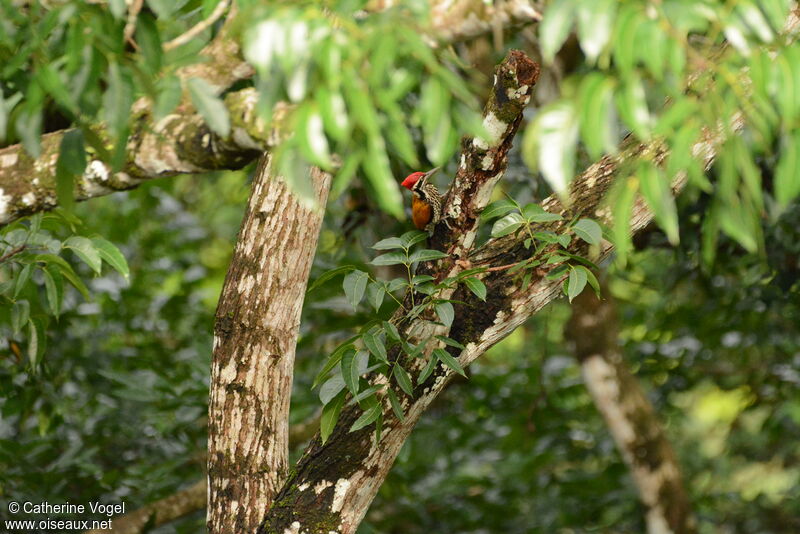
(627, 26)
(595, 22)
(350, 371)
(334, 113)
(403, 380)
(112, 256)
(597, 119)
(651, 47)
(333, 361)
(589, 231)
(497, 209)
(436, 126)
(327, 275)
(331, 388)
(632, 107)
(330, 415)
(149, 41)
(378, 172)
(369, 416)
(311, 134)
(426, 255)
(389, 243)
(413, 237)
(787, 176)
(71, 164)
(20, 312)
(477, 287)
(210, 106)
(117, 101)
(375, 345)
(354, 285)
(451, 342)
(508, 225)
(658, 195)
(445, 312)
(29, 129)
(445, 357)
(623, 205)
(117, 8)
(534, 213)
(556, 131)
(591, 278)
(36, 341)
(375, 293)
(85, 250)
(391, 330)
(392, 258)
(65, 270)
(169, 96)
(577, 281)
(22, 279)
(429, 368)
(397, 408)
(54, 288)
(555, 27)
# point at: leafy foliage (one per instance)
(641, 55)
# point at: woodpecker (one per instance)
(426, 203)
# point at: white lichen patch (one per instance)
(97, 171)
(294, 528)
(246, 285)
(322, 485)
(513, 94)
(500, 317)
(8, 160)
(228, 374)
(339, 493)
(5, 202)
(304, 486)
(495, 128)
(486, 162)
(28, 199)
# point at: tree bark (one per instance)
(192, 498)
(594, 331)
(333, 484)
(182, 143)
(256, 328)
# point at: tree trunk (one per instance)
(630, 416)
(256, 328)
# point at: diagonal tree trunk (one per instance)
(593, 329)
(256, 328)
(333, 484)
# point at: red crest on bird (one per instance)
(411, 179)
(415, 177)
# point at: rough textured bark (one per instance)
(179, 143)
(594, 330)
(182, 143)
(333, 484)
(192, 498)
(255, 332)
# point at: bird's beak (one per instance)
(432, 172)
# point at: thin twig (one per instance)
(12, 252)
(198, 28)
(130, 24)
(503, 267)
